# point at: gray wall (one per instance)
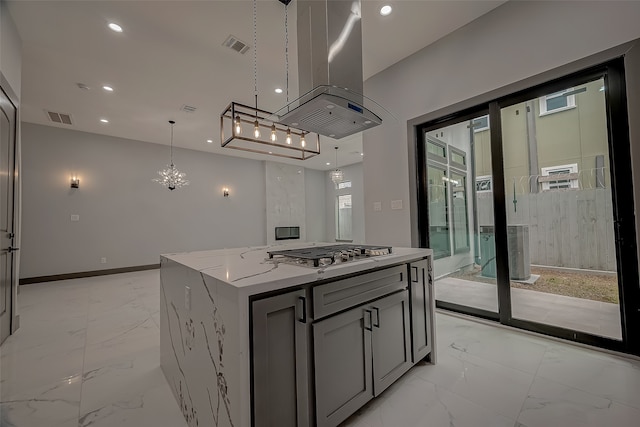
(10, 49)
(124, 216)
(315, 189)
(513, 42)
(352, 173)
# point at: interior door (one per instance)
(7, 181)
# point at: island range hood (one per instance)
(329, 71)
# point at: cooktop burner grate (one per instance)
(331, 253)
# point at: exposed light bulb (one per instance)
(237, 124)
(256, 129)
(302, 140)
(274, 137)
(115, 27)
(288, 136)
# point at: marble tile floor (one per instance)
(87, 354)
(599, 318)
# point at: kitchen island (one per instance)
(248, 340)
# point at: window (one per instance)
(559, 177)
(344, 184)
(484, 184)
(457, 158)
(459, 214)
(480, 124)
(343, 218)
(438, 211)
(558, 101)
(436, 150)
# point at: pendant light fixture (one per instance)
(171, 177)
(263, 134)
(337, 176)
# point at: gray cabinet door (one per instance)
(391, 340)
(280, 361)
(343, 371)
(420, 297)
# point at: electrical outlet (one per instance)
(187, 298)
(103, 260)
(396, 204)
(75, 218)
(377, 206)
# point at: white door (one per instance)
(7, 185)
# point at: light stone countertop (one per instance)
(250, 269)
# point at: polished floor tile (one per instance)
(87, 355)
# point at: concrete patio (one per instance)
(599, 318)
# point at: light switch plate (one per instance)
(377, 206)
(396, 204)
(75, 217)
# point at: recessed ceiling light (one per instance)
(385, 10)
(367, 122)
(115, 27)
(278, 90)
(210, 141)
(330, 106)
(328, 164)
(362, 154)
(107, 88)
(104, 120)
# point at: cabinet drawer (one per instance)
(342, 294)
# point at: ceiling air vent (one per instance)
(61, 118)
(233, 43)
(187, 108)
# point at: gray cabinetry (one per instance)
(358, 354)
(280, 361)
(343, 365)
(421, 297)
(391, 340)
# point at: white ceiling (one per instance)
(171, 54)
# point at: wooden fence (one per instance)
(567, 228)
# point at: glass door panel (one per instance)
(561, 245)
(460, 216)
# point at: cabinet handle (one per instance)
(377, 324)
(367, 312)
(416, 273)
(303, 300)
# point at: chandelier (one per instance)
(337, 176)
(254, 130)
(171, 177)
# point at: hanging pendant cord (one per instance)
(171, 149)
(255, 53)
(286, 46)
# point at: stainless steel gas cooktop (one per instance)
(317, 256)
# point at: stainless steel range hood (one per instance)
(329, 71)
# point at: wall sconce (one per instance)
(225, 192)
(75, 182)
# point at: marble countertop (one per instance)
(251, 270)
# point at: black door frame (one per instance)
(622, 198)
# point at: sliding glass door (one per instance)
(561, 243)
(460, 214)
(527, 203)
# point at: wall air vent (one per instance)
(239, 46)
(60, 118)
(188, 108)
